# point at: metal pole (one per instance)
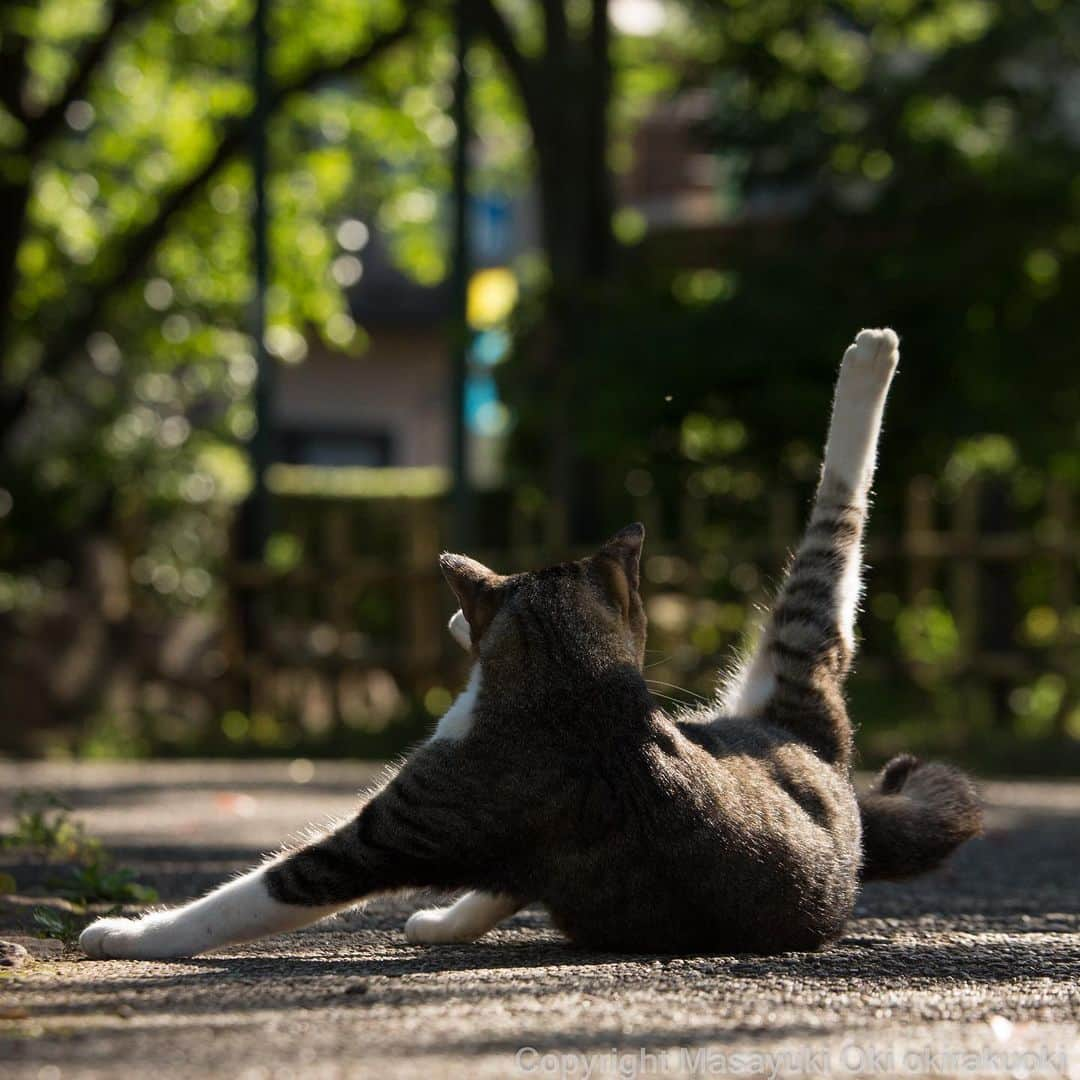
(459, 325)
(254, 523)
(262, 444)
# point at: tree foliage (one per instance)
(909, 162)
(127, 366)
(904, 163)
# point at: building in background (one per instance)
(387, 407)
(390, 407)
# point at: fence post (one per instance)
(338, 596)
(337, 550)
(964, 578)
(423, 624)
(692, 517)
(1059, 505)
(997, 599)
(919, 536)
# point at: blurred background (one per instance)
(293, 296)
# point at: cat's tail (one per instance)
(914, 817)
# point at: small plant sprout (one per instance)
(45, 829)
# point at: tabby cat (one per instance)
(554, 778)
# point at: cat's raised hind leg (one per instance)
(795, 674)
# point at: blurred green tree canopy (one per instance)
(902, 163)
(124, 230)
(893, 162)
(910, 162)
(124, 246)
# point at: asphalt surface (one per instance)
(972, 972)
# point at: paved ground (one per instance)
(974, 972)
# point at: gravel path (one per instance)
(973, 972)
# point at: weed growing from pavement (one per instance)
(95, 883)
(62, 925)
(45, 828)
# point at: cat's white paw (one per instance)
(110, 938)
(131, 939)
(439, 926)
(861, 389)
(873, 357)
(466, 919)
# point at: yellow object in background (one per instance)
(492, 296)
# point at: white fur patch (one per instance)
(751, 688)
(848, 597)
(861, 388)
(457, 721)
(459, 630)
(241, 910)
(748, 684)
(466, 919)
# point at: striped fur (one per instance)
(555, 779)
(809, 651)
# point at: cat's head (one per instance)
(587, 612)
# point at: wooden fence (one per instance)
(976, 584)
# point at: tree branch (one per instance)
(498, 32)
(12, 71)
(141, 243)
(556, 27)
(42, 127)
(600, 196)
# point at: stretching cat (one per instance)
(554, 778)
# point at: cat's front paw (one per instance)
(111, 938)
(153, 937)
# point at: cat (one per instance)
(554, 778)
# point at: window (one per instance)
(335, 447)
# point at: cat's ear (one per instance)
(625, 548)
(476, 588)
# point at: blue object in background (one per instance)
(480, 394)
(492, 228)
(489, 347)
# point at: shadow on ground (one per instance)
(985, 953)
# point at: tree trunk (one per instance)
(13, 202)
(576, 202)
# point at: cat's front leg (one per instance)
(427, 827)
(239, 911)
(295, 890)
(467, 919)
